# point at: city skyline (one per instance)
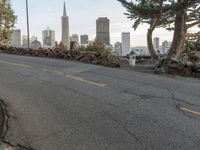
(48, 13)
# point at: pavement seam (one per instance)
(124, 127)
(6, 128)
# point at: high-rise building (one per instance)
(48, 38)
(16, 38)
(118, 48)
(126, 43)
(156, 43)
(65, 29)
(75, 38)
(84, 39)
(103, 31)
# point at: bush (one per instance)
(95, 46)
(192, 51)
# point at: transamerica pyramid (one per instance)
(65, 29)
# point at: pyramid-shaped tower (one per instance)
(65, 29)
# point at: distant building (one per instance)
(16, 38)
(84, 39)
(126, 43)
(48, 38)
(25, 41)
(166, 46)
(36, 44)
(33, 38)
(118, 48)
(103, 31)
(75, 38)
(141, 50)
(65, 29)
(156, 43)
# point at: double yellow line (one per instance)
(58, 73)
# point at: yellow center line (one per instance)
(86, 81)
(190, 111)
(58, 73)
(15, 64)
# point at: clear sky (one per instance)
(82, 15)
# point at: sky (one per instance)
(82, 19)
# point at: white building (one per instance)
(16, 38)
(118, 48)
(126, 43)
(48, 38)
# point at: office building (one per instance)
(126, 43)
(103, 31)
(48, 38)
(65, 29)
(16, 38)
(156, 43)
(84, 39)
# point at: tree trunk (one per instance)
(178, 42)
(150, 45)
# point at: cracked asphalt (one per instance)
(63, 105)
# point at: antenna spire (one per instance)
(64, 10)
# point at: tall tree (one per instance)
(176, 15)
(146, 11)
(187, 16)
(7, 21)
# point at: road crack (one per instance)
(124, 128)
(4, 143)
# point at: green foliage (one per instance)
(193, 50)
(146, 11)
(95, 46)
(7, 21)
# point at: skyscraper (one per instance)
(103, 31)
(48, 38)
(84, 39)
(126, 43)
(16, 38)
(156, 43)
(65, 29)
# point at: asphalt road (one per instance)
(63, 105)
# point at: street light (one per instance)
(28, 36)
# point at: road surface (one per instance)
(64, 105)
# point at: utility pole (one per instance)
(28, 36)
